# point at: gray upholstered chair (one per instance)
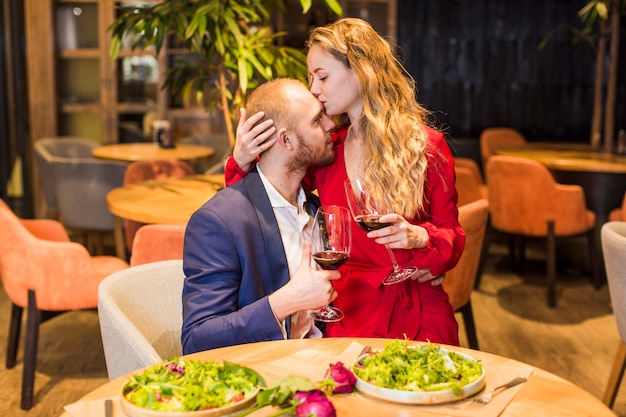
(46, 149)
(78, 184)
(214, 164)
(613, 235)
(140, 313)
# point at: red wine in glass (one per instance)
(366, 214)
(330, 259)
(331, 241)
(369, 222)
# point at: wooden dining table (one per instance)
(165, 201)
(544, 394)
(148, 151)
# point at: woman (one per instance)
(384, 138)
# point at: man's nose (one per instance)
(327, 123)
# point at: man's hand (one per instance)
(252, 140)
(308, 289)
(424, 275)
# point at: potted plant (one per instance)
(604, 16)
(230, 43)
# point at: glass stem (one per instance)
(396, 267)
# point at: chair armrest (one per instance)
(570, 209)
(46, 229)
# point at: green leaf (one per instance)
(334, 6)
(114, 49)
(306, 5)
(602, 10)
(243, 74)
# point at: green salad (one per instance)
(191, 385)
(419, 368)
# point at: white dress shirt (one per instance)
(295, 227)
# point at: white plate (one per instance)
(420, 397)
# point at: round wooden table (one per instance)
(544, 394)
(166, 201)
(132, 152)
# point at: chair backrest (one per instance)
(140, 313)
(493, 138)
(60, 272)
(148, 170)
(619, 214)
(469, 182)
(46, 149)
(613, 235)
(523, 197)
(459, 281)
(219, 142)
(157, 242)
(81, 187)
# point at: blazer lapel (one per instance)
(272, 241)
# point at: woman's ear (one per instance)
(283, 139)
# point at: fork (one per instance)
(485, 399)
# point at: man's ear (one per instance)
(283, 139)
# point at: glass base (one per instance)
(327, 314)
(402, 274)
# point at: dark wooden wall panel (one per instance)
(477, 64)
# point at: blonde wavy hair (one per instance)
(392, 122)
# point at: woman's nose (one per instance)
(314, 90)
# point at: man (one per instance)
(247, 256)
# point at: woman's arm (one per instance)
(253, 137)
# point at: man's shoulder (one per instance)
(229, 195)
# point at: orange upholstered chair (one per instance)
(470, 185)
(157, 242)
(149, 170)
(526, 201)
(459, 281)
(494, 138)
(45, 273)
(619, 214)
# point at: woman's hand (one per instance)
(404, 235)
(401, 234)
(252, 140)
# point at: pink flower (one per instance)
(314, 404)
(339, 379)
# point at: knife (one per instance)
(108, 408)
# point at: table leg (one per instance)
(120, 244)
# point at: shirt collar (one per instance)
(276, 199)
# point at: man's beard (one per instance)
(307, 156)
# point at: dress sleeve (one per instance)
(441, 218)
(232, 172)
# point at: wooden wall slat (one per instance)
(477, 64)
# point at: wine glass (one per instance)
(366, 214)
(331, 242)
